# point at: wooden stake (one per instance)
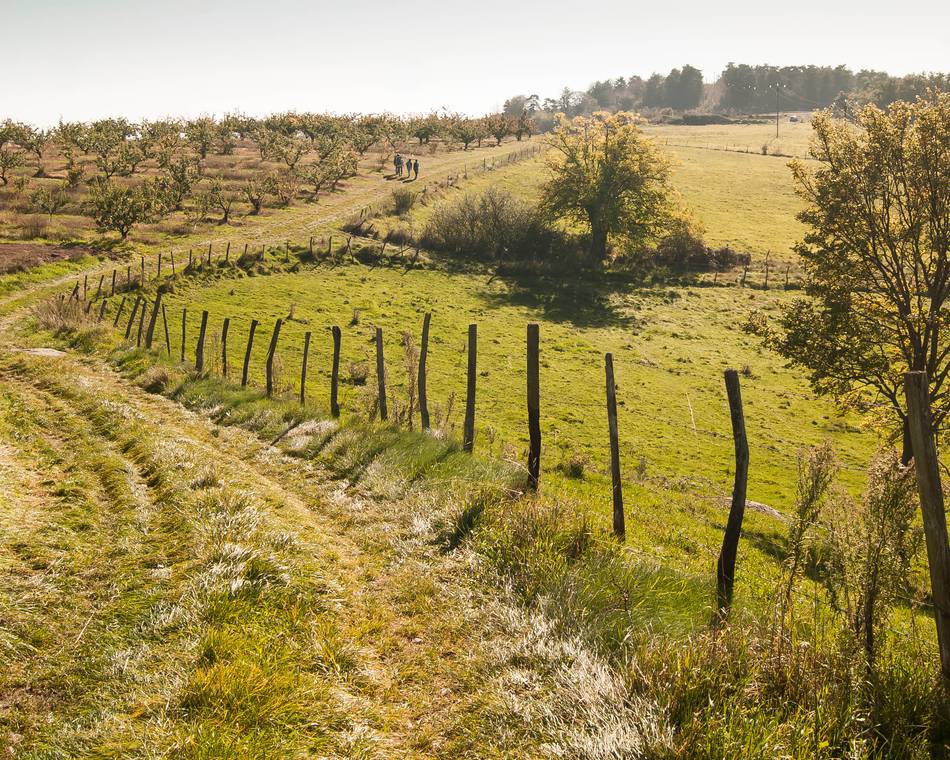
(534, 405)
(200, 348)
(617, 487)
(726, 567)
(150, 333)
(119, 312)
(247, 353)
(270, 357)
(468, 433)
(303, 368)
(224, 346)
(138, 335)
(916, 389)
(381, 376)
(158, 268)
(421, 383)
(102, 279)
(184, 322)
(171, 255)
(112, 292)
(85, 286)
(102, 309)
(335, 375)
(128, 327)
(227, 254)
(168, 340)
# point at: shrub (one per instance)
(493, 225)
(403, 201)
(358, 372)
(683, 249)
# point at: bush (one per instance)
(490, 226)
(403, 201)
(683, 250)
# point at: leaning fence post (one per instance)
(171, 255)
(421, 383)
(150, 333)
(119, 312)
(102, 279)
(85, 286)
(227, 253)
(184, 322)
(168, 340)
(726, 566)
(617, 487)
(381, 376)
(128, 327)
(468, 434)
(932, 509)
(247, 353)
(138, 335)
(303, 368)
(335, 375)
(534, 406)
(224, 346)
(102, 308)
(270, 357)
(200, 348)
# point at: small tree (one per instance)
(181, 175)
(119, 209)
(201, 134)
(256, 192)
(222, 199)
(49, 200)
(499, 126)
(606, 175)
(467, 131)
(525, 127)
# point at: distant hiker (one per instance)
(415, 168)
(397, 162)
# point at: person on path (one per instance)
(397, 162)
(415, 168)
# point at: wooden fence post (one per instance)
(158, 268)
(119, 312)
(143, 271)
(726, 566)
(200, 348)
(102, 308)
(421, 382)
(128, 327)
(534, 405)
(112, 294)
(150, 333)
(224, 346)
(468, 433)
(138, 335)
(930, 489)
(247, 353)
(227, 253)
(303, 368)
(381, 376)
(335, 375)
(184, 322)
(168, 340)
(171, 255)
(191, 259)
(270, 357)
(209, 254)
(128, 277)
(102, 279)
(85, 286)
(620, 529)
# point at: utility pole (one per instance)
(777, 90)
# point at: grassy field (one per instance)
(404, 598)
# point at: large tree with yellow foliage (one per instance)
(607, 176)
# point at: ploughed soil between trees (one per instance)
(19, 257)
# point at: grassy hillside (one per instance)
(406, 599)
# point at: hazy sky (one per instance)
(81, 59)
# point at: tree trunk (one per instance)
(598, 241)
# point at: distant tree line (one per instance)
(741, 88)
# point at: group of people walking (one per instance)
(410, 165)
